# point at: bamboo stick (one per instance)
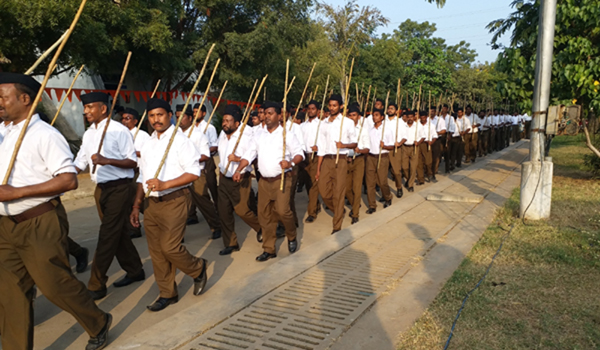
(312, 155)
(249, 100)
(398, 122)
(47, 52)
(303, 93)
(374, 99)
(215, 107)
(203, 98)
(337, 156)
(245, 121)
(428, 130)
(290, 86)
(38, 97)
(363, 121)
(112, 107)
(357, 94)
(399, 104)
(187, 102)
(66, 95)
(145, 111)
(417, 122)
(285, 89)
(383, 129)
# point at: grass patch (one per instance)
(542, 292)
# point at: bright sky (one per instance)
(457, 20)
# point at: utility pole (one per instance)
(536, 174)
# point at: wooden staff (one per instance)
(312, 155)
(383, 129)
(187, 102)
(203, 98)
(285, 89)
(399, 104)
(47, 52)
(413, 101)
(417, 123)
(303, 93)
(366, 101)
(374, 99)
(112, 108)
(245, 121)
(363, 121)
(215, 107)
(362, 92)
(40, 92)
(265, 94)
(249, 100)
(428, 130)
(357, 94)
(398, 122)
(145, 111)
(66, 95)
(337, 156)
(289, 87)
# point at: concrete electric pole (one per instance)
(536, 174)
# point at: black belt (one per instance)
(405, 145)
(36, 211)
(114, 183)
(377, 155)
(275, 178)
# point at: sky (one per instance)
(457, 20)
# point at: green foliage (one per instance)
(576, 64)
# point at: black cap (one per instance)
(197, 105)
(94, 97)
(234, 111)
(254, 114)
(270, 104)
(409, 112)
(131, 111)
(337, 97)
(354, 109)
(301, 116)
(313, 102)
(378, 110)
(154, 103)
(18, 78)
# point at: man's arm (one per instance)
(59, 184)
(98, 159)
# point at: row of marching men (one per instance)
(161, 175)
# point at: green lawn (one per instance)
(543, 290)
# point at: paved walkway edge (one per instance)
(179, 330)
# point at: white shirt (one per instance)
(495, 120)
(426, 131)
(329, 134)
(450, 124)
(462, 124)
(43, 155)
(411, 133)
(211, 133)
(364, 141)
(515, 120)
(182, 158)
(440, 124)
(473, 119)
(295, 129)
(268, 147)
(3, 129)
(226, 146)
(200, 141)
(396, 125)
(486, 122)
(118, 144)
(309, 133)
(140, 139)
(375, 138)
(258, 129)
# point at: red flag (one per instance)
(136, 94)
(144, 96)
(78, 93)
(59, 93)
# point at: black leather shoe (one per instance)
(354, 221)
(216, 234)
(293, 246)
(101, 340)
(433, 179)
(265, 256)
(399, 193)
(347, 202)
(82, 260)
(387, 204)
(310, 219)
(135, 234)
(192, 221)
(125, 281)
(299, 189)
(350, 214)
(381, 200)
(411, 189)
(200, 281)
(259, 236)
(229, 250)
(162, 303)
(334, 231)
(280, 233)
(98, 294)
(371, 210)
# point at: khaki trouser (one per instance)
(311, 185)
(410, 160)
(456, 151)
(201, 199)
(354, 180)
(471, 146)
(35, 252)
(274, 205)
(424, 168)
(492, 140)
(332, 187)
(114, 206)
(436, 155)
(378, 176)
(294, 181)
(210, 168)
(396, 162)
(234, 197)
(484, 142)
(164, 223)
